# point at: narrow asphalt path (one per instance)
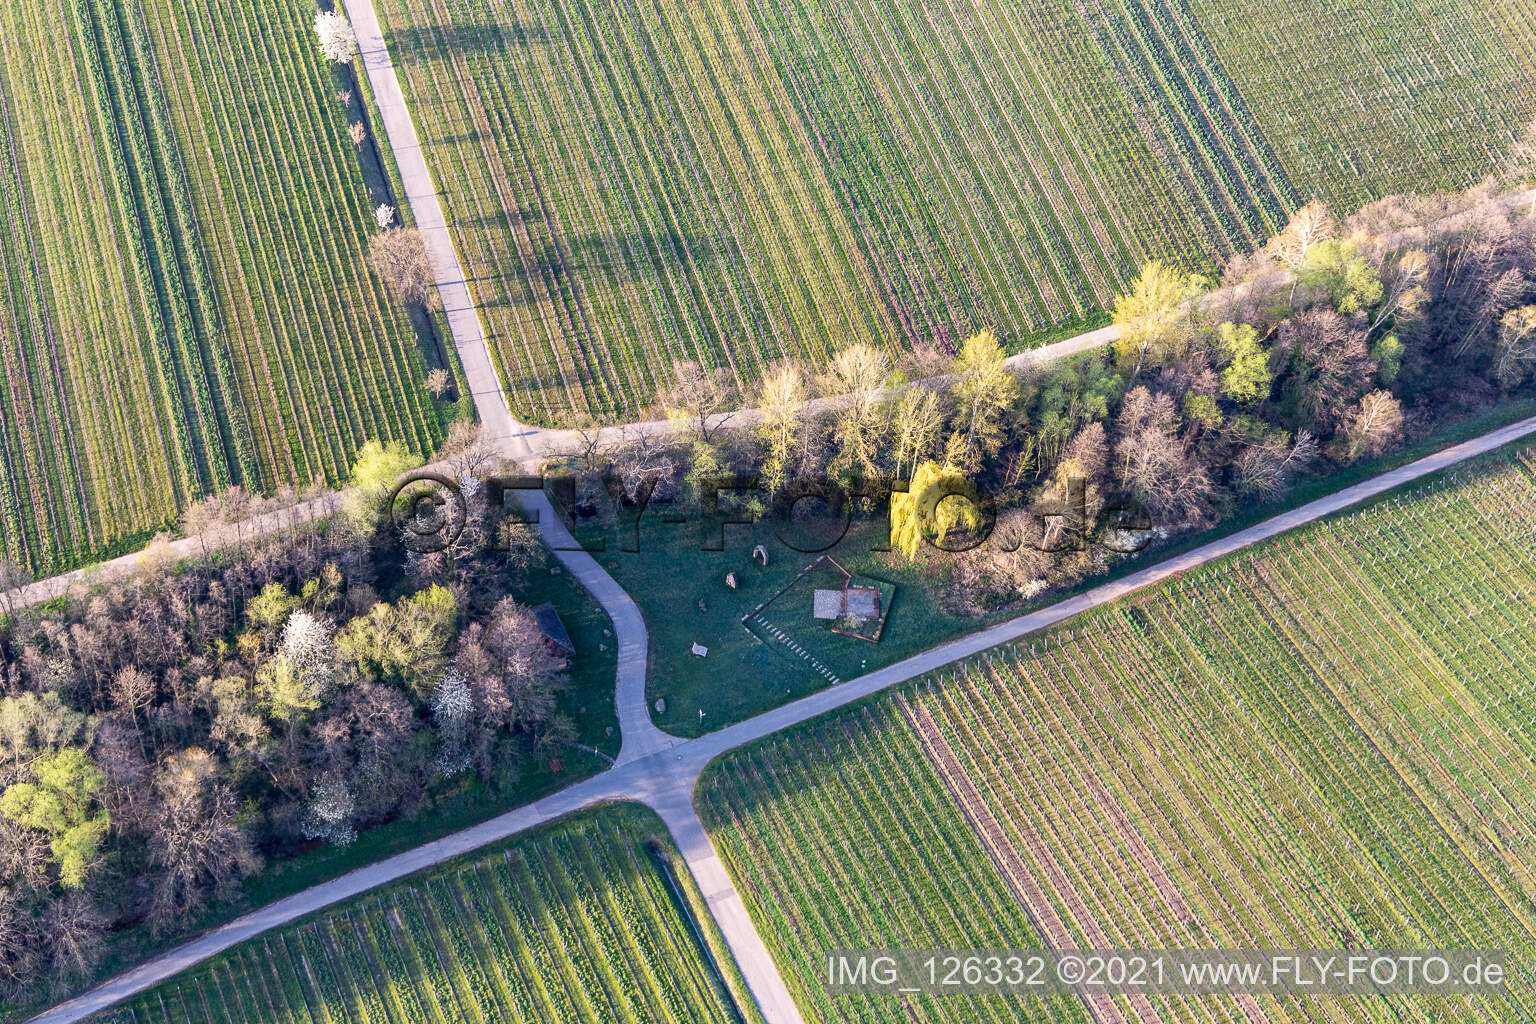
(638, 735)
(554, 441)
(674, 803)
(525, 445)
(225, 536)
(664, 779)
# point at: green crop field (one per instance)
(577, 922)
(185, 301)
(1362, 100)
(1326, 742)
(634, 183)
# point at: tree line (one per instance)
(1337, 341)
(163, 737)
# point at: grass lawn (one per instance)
(682, 591)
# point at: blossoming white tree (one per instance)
(329, 814)
(452, 705)
(337, 40)
(384, 215)
(307, 643)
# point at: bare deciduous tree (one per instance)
(1265, 470)
(916, 424)
(1154, 464)
(1515, 350)
(197, 846)
(132, 691)
(1403, 287)
(399, 256)
(641, 462)
(695, 398)
(1372, 426)
(75, 932)
(1326, 364)
(1310, 225)
(1482, 274)
(511, 673)
(12, 577)
(466, 453)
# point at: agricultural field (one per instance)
(1325, 742)
(580, 921)
(185, 302)
(637, 183)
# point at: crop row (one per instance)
(184, 302)
(1327, 742)
(840, 837)
(1365, 100)
(638, 183)
(64, 236)
(325, 360)
(574, 924)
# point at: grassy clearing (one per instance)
(671, 576)
(743, 675)
(1322, 742)
(184, 302)
(574, 922)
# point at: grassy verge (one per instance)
(378, 142)
(698, 911)
(1061, 332)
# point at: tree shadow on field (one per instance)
(579, 260)
(484, 37)
(474, 138)
(640, 251)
